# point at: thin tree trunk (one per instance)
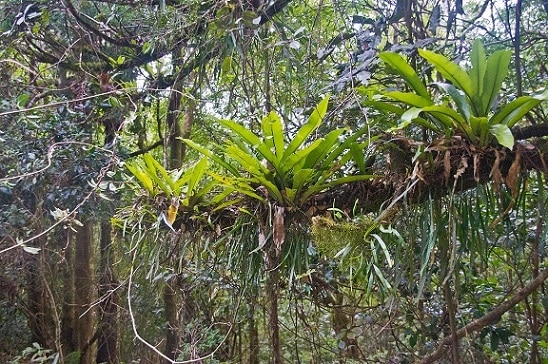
(177, 131)
(40, 319)
(175, 148)
(253, 333)
(68, 309)
(170, 308)
(173, 123)
(272, 293)
(108, 333)
(84, 292)
(451, 312)
(188, 122)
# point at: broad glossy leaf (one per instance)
(145, 180)
(503, 134)
(450, 71)
(273, 133)
(409, 98)
(208, 153)
(153, 168)
(238, 185)
(290, 195)
(248, 161)
(449, 117)
(336, 153)
(312, 124)
(412, 116)
(404, 69)
(479, 64)
(252, 140)
(317, 188)
(200, 193)
(315, 157)
(514, 111)
(495, 73)
(479, 128)
(409, 116)
(303, 178)
(196, 176)
(290, 162)
(385, 106)
(460, 100)
(358, 156)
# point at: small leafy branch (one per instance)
(473, 95)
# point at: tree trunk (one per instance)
(68, 308)
(40, 308)
(175, 129)
(272, 293)
(176, 147)
(83, 291)
(108, 335)
(253, 333)
(172, 319)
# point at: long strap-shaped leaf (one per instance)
(273, 134)
(495, 73)
(304, 132)
(136, 169)
(450, 71)
(400, 66)
(479, 64)
(250, 138)
(209, 153)
(512, 112)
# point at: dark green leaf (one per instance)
(450, 71)
(312, 124)
(503, 134)
(496, 71)
(398, 64)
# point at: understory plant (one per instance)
(470, 107)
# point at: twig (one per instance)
(488, 319)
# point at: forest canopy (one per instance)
(253, 181)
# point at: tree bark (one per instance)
(272, 292)
(253, 334)
(108, 333)
(83, 291)
(173, 123)
(172, 319)
(40, 309)
(68, 309)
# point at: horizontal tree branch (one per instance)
(449, 166)
(489, 318)
(531, 131)
(146, 149)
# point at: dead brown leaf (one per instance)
(446, 166)
(463, 164)
(512, 179)
(278, 229)
(496, 175)
(476, 167)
